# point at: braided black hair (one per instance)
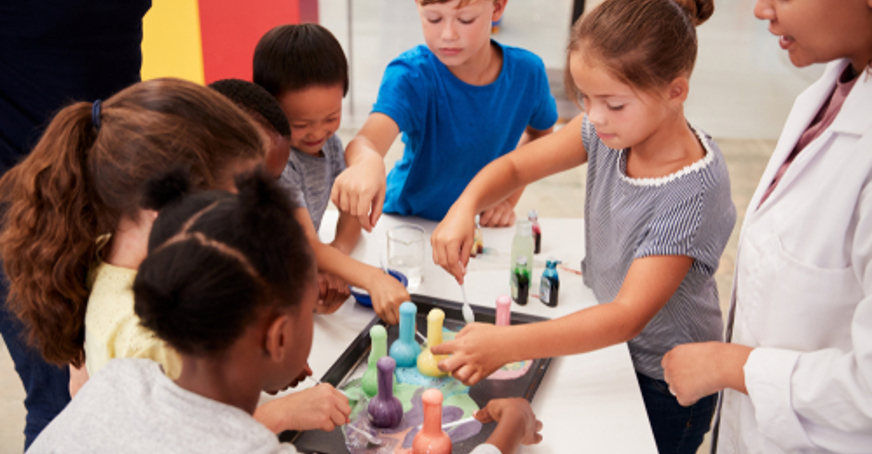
(216, 259)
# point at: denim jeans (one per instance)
(677, 429)
(47, 386)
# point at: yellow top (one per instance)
(112, 329)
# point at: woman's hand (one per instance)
(332, 292)
(476, 352)
(386, 294)
(321, 407)
(452, 241)
(694, 371)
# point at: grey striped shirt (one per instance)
(686, 213)
(309, 179)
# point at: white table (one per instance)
(589, 403)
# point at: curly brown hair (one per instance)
(79, 181)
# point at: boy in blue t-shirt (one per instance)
(461, 101)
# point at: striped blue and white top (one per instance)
(686, 213)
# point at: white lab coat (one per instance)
(803, 289)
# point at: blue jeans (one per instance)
(677, 429)
(47, 386)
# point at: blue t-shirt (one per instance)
(452, 129)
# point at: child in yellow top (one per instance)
(85, 178)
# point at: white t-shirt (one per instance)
(132, 407)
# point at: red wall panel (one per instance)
(231, 28)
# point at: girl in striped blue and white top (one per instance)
(658, 212)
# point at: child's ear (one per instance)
(277, 343)
(500, 8)
(679, 88)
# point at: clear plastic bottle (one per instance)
(537, 231)
(522, 262)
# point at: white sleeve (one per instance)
(823, 398)
(485, 448)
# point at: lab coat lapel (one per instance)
(806, 107)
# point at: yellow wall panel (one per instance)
(171, 44)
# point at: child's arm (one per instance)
(452, 239)
(479, 349)
(516, 424)
(503, 213)
(78, 377)
(360, 189)
(347, 233)
(386, 292)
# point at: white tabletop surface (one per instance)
(588, 403)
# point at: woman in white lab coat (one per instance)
(798, 373)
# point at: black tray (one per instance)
(315, 441)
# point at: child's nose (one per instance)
(763, 10)
(449, 32)
(595, 114)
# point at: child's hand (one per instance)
(360, 189)
(515, 412)
(321, 407)
(386, 294)
(452, 242)
(694, 371)
(475, 353)
(332, 292)
(500, 215)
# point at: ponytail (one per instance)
(50, 228)
(86, 172)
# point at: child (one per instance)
(304, 67)
(461, 101)
(796, 377)
(657, 210)
(85, 178)
(243, 326)
(261, 105)
(266, 113)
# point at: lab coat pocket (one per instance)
(808, 304)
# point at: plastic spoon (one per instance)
(449, 425)
(468, 315)
(369, 438)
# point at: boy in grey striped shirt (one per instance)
(304, 67)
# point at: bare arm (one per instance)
(452, 239)
(503, 213)
(386, 292)
(347, 233)
(479, 349)
(360, 189)
(78, 377)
